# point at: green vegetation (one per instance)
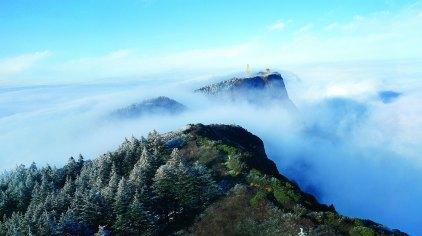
(233, 161)
(234, 165)
(361, 231)
(284, 193)
(259, 197)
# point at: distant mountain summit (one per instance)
(256, 89)
(154, 106)
(388, 96)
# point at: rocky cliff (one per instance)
(258, 89)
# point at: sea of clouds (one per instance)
(346, 144)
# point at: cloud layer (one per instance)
(346, 146)
(15, 65)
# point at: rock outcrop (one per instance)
(258, 89)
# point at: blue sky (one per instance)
(80, 28)
(325, 49)
(54, 34)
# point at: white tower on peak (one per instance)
(248, 69)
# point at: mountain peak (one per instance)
(154, 106)
(259, 88)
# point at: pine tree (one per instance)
(70, 225)
(104, 170)
(71, 169)
(139, 218)
(121, 205)
(121, 225)
(109, 192)
(13, 225)
(123, 197)
(91, 207)
(144, 170)
(155, 143)
(46, 224)
(80, 162)
(182, 187)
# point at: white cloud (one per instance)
(15, 65)
(278, 25)
(131, 63)
(305, 28)
(378, 36)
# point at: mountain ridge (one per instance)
(198, 180)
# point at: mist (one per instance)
(344, 144)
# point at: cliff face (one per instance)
(257, 89)
(200, 180)
(257, 199)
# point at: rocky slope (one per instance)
(200, 180)
(154, 106)
(256, 89)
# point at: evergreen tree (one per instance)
(140, 219)
(91, 207)
(155, 143)
(110, 190)
(46, 224)
(104, 170)
(144, 169)
(123, 197)
(71, 169)
(70, 225)
(13, 225)
(183, 187)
